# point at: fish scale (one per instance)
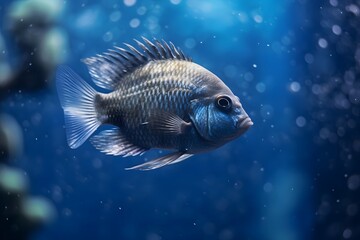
(158, 98)
(154, 97)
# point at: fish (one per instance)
(154, 97)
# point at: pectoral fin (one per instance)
(168, 123)
(162, 161)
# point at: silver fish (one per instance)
(158, 98)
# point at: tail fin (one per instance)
(77, 100)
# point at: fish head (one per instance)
(220, 117)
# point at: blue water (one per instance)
(290, 177)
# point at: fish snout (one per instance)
(244, 122)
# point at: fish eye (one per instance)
(223, 102)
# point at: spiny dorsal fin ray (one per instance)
(161, 49)
(139, 55)
(146, 50)
(168, 50)
(153, 48)
(108, 68)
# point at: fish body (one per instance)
(158, 98)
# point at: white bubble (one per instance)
(295, 87)
(316, 89)
(260, 87)
(254, 65)
(86, 19)
(129, 3)
(141, 10)
(258, 19)
(190, 43)
(347, 233)
(115, 16)
(354, 9)
(354, 96)
(354, 182)
(336, 29)
(323, 43)
(175, 2)
(134, 23)
(268, 187)
(248, 76)
(309, 58)
(300, 121)
(334, 3)
(108, 36)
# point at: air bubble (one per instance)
(190, 43)
(260, 87)
(354, 182)
(336, 29)
(295, 87)
(248, 76)
(334, 3)
(309, 58)
(115, 16)
(347, 233)
(300, 121)
(175, 2)
(354, 9)
(141, 10)
(108, 36)
(258, 19)
(134, 23)
(323, 43)
(268, 187)
(129, 3)
(316, 89)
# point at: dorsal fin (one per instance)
(108, 68)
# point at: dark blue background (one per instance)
(282, 180)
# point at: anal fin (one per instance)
(162, 161)
(113, 142)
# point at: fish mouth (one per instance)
(246, 123)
